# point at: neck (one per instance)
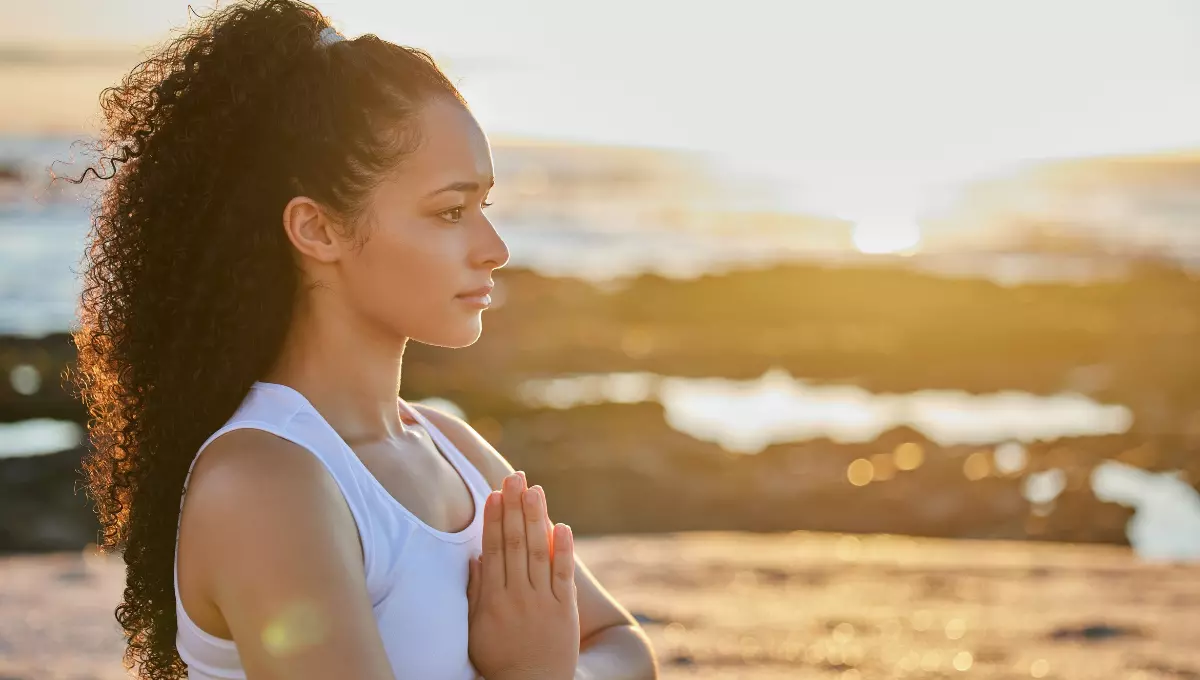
(349, 370)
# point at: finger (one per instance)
(516, 560)
(474, 585)
(493, 543)
(539, 541)
(547, 526)
(564, 563)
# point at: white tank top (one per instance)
(416, 575)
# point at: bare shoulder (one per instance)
(251, 473)
(482, 454)
(234, 454)
(273, 540)
(255, 498)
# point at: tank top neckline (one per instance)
(441, 443)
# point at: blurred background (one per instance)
(837, 328)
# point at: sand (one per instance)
(753, 606)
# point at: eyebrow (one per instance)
(460, 186)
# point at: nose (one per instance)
(492, 253)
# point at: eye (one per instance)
(487, 205)
(455, 214)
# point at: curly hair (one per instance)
(189, 281)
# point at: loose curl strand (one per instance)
(189, 281)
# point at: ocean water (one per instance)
(37, 436)
(40, 255)
(43, 225)
(747, 416)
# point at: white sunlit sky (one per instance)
(868, 108)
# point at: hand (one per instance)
(523, 614)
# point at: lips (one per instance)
(478, 292)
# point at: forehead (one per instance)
(452, 148)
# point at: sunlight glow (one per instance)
(884, 236)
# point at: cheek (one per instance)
(396, 276)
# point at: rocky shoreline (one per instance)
(621, 468)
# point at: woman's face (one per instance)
(429, 252)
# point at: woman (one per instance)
(285, 210)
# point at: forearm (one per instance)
(616, 653)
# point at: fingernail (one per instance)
(524, 481)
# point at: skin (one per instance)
(612, 644)
(267, 543)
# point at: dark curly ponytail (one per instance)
(189, 279)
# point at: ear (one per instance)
(311, 230)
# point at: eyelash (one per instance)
(460, 208)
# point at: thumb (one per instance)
(474, 584)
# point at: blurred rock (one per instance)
(30, 378)
(620, 468)
(40, 509)
(1094, 633)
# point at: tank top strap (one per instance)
(460, 462)
(407, 411)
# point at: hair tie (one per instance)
(329, 36)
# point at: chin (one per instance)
(456, 337)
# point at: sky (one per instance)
(868, 109)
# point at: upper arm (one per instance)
(597, 608)
(280, 558)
